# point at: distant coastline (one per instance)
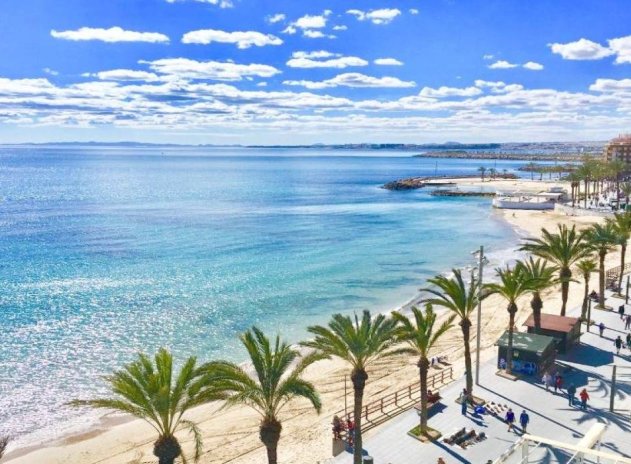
(504, 156)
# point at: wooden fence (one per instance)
(612, 275)
(378, 411)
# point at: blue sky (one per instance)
(268, 72)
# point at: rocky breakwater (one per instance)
(412, 183)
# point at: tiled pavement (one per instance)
(588, 365)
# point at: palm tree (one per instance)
(602, 239)
(421, 337)
(541, 276)
(359, 343)
(563, 249)
(625, 188)
(151, 391)
(492, 172)
(586, 267)
(482, 170)
(622, 224)
(272, 385)
(4, 442)
(453, 294)
(513, 284)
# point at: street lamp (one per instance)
(480, 254)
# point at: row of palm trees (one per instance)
(153, 391)
(597, 176)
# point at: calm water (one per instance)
(107, 252)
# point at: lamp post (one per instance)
(480, 254)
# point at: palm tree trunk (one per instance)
(512, 310)
(269, 433)
(465, 325)
(358, 377)
(565, 276)
(623, 251)
(585, 297)
(423, 367)
(586, 189)
(536, 304)
(601, 275)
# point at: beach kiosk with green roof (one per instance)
(532, 353)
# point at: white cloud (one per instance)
(353, 80)
(381, 16)
(340, 27)
(220, 3)
(498, 86)
(261, 84)
(449, 92)
(310, 25)
(242, 39)
(52, 72)
(581, 49)
(413, 11)
(488, 56)
(388, 62)
(533, 66)
(622, 48)
(323, 59)
(124, 75)
(313, 34)
(502, 64)
(111, 35)
(276, 18)
(611, 85)
(213, 70)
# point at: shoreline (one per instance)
(235, 429)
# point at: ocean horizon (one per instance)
(108, 252)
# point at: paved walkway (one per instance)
(589, 365)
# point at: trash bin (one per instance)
(368, 460)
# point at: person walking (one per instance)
(510, 419)
(463, 401)
(524, 418)
(558, 383)
(629, 340)
(627, 322)
(618, 343)
(546, 381)
(584, 397)
(621, 311)
(571, 391)
(601, 329)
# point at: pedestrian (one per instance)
(510, 419)
(337, 428)
(571, 391)
(627, 322)
(618, 344)
(524, 418)
(629, 340)
(621, 311)
(601, 329)
(558, 383)
(350, 431)
(584, 397)
(546, 381)
(463, 401)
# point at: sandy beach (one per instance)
(232, 435)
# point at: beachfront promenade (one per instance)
(588, 365)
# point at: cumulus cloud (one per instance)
(323, 59)
(381, 16)
(310, 25)
(52, 72)
(220, 3)
(413, 11)
(502, 64)
(340, 27)
(242, 39)
(212, 70)
(443, 91)
(276, 18)
(622, 48)
(111, 35)
(498, 86)
(611, 85)
(353, 80)
(314, 34)
(533, 66)
(124, 75)
(581, 49)
(388, 62)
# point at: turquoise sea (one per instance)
(108, 251)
